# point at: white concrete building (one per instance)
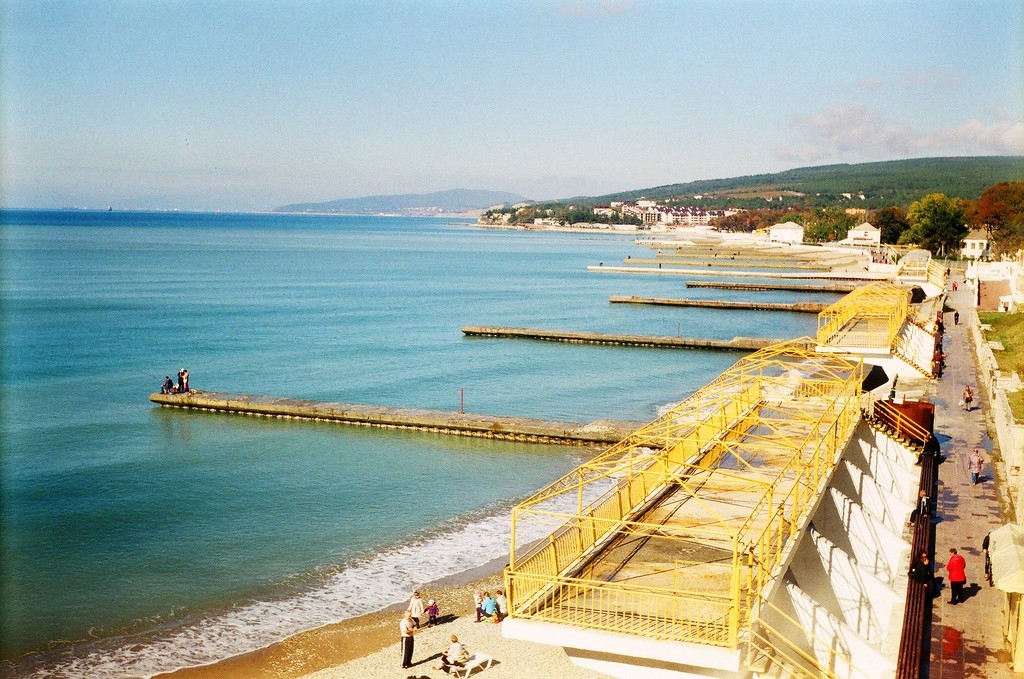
(786, 232)
(976, 245)
(864, 234)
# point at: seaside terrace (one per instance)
(669, 545)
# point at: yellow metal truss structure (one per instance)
(869, 317)
(677, 531)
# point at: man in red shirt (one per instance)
(955, 568)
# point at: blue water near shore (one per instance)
(137, 540)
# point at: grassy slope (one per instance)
(891, 182)
(1008, 329)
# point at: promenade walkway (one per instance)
(967, 639)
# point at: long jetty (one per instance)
(735, 344)
(797, 307)
(524, 429)
(723, 285)
(798, 275)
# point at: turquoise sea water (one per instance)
(137, 539)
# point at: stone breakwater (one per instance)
(385, 417)
(734, 344)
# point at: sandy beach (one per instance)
(368, 646)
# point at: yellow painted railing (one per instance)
(870, 316)
(772, 427)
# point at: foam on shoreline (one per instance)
(456, 552)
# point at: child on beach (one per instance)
(432, 611)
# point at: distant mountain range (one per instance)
(870, 185)
(466, 202)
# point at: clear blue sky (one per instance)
(248, 105)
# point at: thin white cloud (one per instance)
(930, 79)
(870, 84)
(854, 132)
(596, 8)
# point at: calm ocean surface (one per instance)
(138, 540)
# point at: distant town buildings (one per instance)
(651, 212)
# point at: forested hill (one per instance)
(456, 201)
(894, 182)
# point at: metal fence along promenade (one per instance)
(678, 531)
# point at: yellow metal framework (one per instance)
(677, 531)
(869, 317)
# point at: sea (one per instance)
(137, 540)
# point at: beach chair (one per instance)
(474, 661)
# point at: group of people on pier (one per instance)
(169, 387)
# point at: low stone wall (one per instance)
(1006, 432)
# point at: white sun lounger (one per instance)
(474, 661)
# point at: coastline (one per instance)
(337, 643)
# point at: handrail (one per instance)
(886, 413)
(787, 409)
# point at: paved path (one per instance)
(967, 639)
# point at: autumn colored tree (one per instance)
(936, 224)
(1001, 210)
(892, 222)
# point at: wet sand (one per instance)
(369, 645)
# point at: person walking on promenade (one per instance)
(956, 318)
(416, 608)
(974, 466)
(407, 628)
(956, 570)
(968, 397)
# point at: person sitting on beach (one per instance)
(416, 608)
(502, 603)
(168, 386)
(432, 611)
(455, 655)
(489, 607)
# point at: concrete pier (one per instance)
(842, 288)
(798, 307)
(679, 262)
(735, 344)
(797, 275)
(384, 417)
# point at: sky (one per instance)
(243, 105)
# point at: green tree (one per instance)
(892, 222)
(827, 224)
(936, 224)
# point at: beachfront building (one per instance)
(977, 245)
(756, 529)
(786, 232)
(864, 234)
